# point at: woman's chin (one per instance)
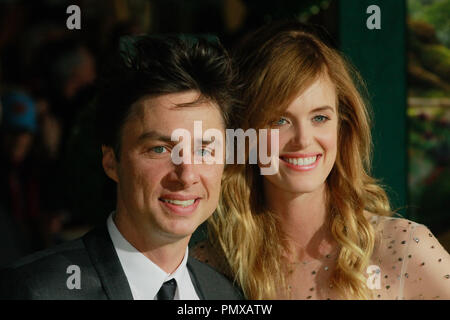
(301, 188)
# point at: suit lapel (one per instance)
(195, 280)
(106, 262)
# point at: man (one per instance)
(156, 86)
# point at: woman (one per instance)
(320, 228)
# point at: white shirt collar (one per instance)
(144, 276)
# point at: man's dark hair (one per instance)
(157, 65)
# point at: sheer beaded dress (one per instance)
(408, 263)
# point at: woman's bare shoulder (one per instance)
(392, 224)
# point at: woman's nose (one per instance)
(302, 136)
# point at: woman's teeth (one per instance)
(301, 161)
(184, 203)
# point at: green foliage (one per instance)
(438, 15)
(427, 93)
(436, 58)
(435, 201)
(435, 12)
(429, 175)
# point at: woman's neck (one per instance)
(305, 220)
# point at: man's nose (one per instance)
(186, 174)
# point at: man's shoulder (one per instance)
(52, 259)
(48, 256)
(205, 269)
(44, 274)
(213, 284)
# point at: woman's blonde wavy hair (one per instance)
(275, 64)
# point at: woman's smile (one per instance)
(301, 163)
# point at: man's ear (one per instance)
(109, 163)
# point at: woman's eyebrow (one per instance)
(317, 109)
(322, 108)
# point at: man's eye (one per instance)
(158, 149)
(203, 152)
(320, 118)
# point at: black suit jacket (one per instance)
(43, 275)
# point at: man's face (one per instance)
(154, 194)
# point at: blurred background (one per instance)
(52, 186)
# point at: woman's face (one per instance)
(307, 140)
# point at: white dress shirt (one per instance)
(144, 276)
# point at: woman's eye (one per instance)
(158, 149)
(280, 122)
(320, 118)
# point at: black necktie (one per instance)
(167, 291)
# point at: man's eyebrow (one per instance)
(206, 141)
(154, 135)
(322, 108)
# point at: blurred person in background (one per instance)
(65, 70)
(10, 243)
(19, 184)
